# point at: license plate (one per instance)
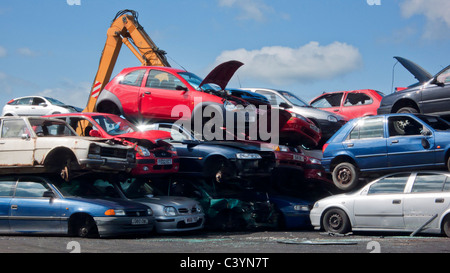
(298, 157)
(164, 161)
(190, 220)
(139, 221)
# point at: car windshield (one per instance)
(435, 122)
(115, 125)
(293, 99)
(195, 82)
(54, 101)
(138, 188)
(49, 127)
(89, 187)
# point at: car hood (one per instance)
(252, 146)
(222, 74)
(418, 72)
(108, 202)
(152, 135)
(315, 113)
(174, 201)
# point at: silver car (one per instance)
(408, 202)
(36, 106)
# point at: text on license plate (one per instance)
(164, 161)
(139, 221)
(190, 220)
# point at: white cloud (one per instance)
(71, 93)
(436, 12)
(249, 9)
(27, 52)
(2, 52)
(284, 65)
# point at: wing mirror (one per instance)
(94, 133)
(285, 105)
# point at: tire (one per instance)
(336, 221)
(345, 176)
(446, 226)
(448, 163)
(407, 110)
(85, 227)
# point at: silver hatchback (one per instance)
(409, 202)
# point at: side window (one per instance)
(163, 80)
(133, 78)
(37, 101)
(177, 135)
(368, 128)
(357, 99)
(428, 182)
(31, 189)
(404, 126)
(81, 126)
(444, 77)
(25, 101)
(13, 128)
(330, 100)
(273, 98)
(390, 184)
(7, 188)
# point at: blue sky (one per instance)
(49, 47)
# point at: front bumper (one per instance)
(314, 217)
(167, 224)
(151, 166)
(113, 226)
(106, 164)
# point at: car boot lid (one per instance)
(417, 71)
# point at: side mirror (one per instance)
(285, 105)
(437, 82)
(94, 133)
(25, 136)
(181, 88)
(426, 133)
(49, 194)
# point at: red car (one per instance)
(350, 104)
(160, 93)
(153, 154)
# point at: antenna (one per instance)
(392, 84)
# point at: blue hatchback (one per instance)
(32, 204)
(383, 143)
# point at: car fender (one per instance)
(108, 97)
(343, 156)
(444, 214)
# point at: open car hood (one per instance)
(418, 72)
(222, 74)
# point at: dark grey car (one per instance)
(328, 122)
(430, 95)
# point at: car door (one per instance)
(16, 145)
(330, 102)
(356, 104)
(380, 205)
(367, 144)
(23, 107)
(435, 97)
(406, 145)
(161, 93)
(6, 193)
(32, 211)
(429, 196)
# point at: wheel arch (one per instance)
(342, 158)
(405, 102)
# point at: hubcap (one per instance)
(344, 176)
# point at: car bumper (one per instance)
(150, 167)
(166, 224)
(113, 226)
(314, 217)
(106, 164)
(296, 219)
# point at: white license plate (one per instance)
(139, 221)
(164, 161)
(298, 157)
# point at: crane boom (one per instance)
(124, 29)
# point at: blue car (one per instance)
(32, 204)
(386, 143)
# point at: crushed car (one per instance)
(154, 156)
(38, 145)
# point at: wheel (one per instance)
(446, 226)
(407, 110)
(85, 227)
(345, 176)
(448, 163)
(219, 170)
(336, 221)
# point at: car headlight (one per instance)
(314, 161)
(170, 211)
(332, 118)
(316, 205)
(142, 151)
(229, 106)
(149, 212)
(248, 156)
(94, 149)
(301, 207)
(115, 212)
(299, 116)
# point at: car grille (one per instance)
(136, 213)
(113, 152)
(192, 210)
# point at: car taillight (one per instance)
(324, 147)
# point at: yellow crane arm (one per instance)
(125, 29)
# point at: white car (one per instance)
(408, 202)
(44, 145)
(36, 106)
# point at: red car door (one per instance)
(357, 104)
(160, 93)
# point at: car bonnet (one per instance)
(222, 74)
(418, 72)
